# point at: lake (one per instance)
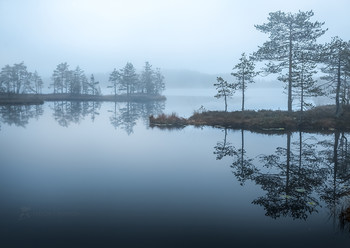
(78, 174)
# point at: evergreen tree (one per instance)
(129, 79)
(6, 79)
(244, 74)
(114, 79)
(20, 76)
(94, 85)
(159, 84)
(37, 83)
(304, 85)
(336, 59)
(60, 78)
(225, 90)
(75, 80)
(288, 34)
(147, 79)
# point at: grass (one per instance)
(318, 119)
(165, 121)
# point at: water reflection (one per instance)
(68, 112)
(19, 115)
(125, 115)
(299, 178)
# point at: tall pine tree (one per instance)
(288, 34)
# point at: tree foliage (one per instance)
(128, 81)
(73, 82)
(336, 58)
(17, 79)
(244, 73)
(224, 90)
(289, 35)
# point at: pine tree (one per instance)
(336, 59)
(147, 79)
(288, 34)
(304, 85)
(60, 78)
(94, 85)
(159, 84)
(225, 90)
(244, 72)
(75, 80)
(37, 82)
(6, 79)
(129, 79)
(114, 79)
(20, 76)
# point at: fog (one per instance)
(204, 36)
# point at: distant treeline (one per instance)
(16, 79)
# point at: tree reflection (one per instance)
(337, 183)
(295, 176)
(125, 115)
(19, 115)
(223, 148)
(67, 112)
(242, 165)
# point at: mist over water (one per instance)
(104, 177)
(95, 174)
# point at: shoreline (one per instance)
(318, 119)
(35, 99)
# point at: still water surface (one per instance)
(89, 174)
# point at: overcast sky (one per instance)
(201, 35)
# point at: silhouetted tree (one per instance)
(288, 34)
(114, 79)
(129, 79)
(337, 62)
(60, 78)
(37, 83)
(147, 79)
(94, 86)
(225, 90)
(244, 74)
(17, 79)
(159, 85)
(304, 85)
(77, 77)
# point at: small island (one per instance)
(19, 86)
(318, 119)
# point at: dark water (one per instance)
(90, 175)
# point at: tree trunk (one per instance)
(290, 72)
(337, 94)
(243, 85)
(290, 76)
(225, 103)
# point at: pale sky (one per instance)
(98, 35)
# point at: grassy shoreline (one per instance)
(316, 120)
(9, 99)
